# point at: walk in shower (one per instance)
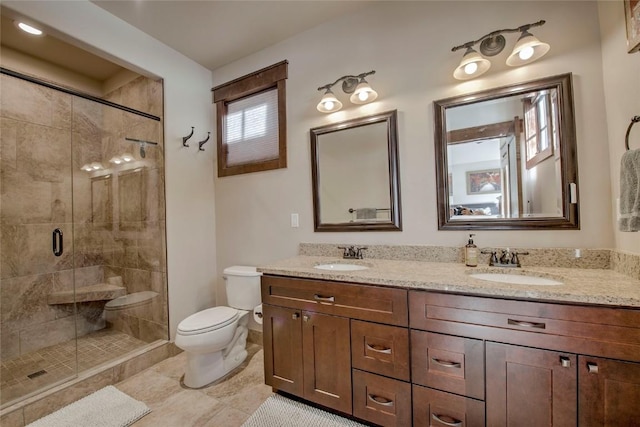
(82, 230)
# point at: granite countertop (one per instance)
(591, 286)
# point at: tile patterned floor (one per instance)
(59, 362)
(226, 403)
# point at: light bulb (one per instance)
(526, 53)
(328, 105)
(126, 157)
(29, 29)
(362, 96)
(471, 68)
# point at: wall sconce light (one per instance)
(360, 90)
(527, 49)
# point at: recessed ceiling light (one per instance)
(29, 29)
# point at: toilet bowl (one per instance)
(214, 339)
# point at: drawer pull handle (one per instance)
(323, 299)
(446, 363)
(526, 324)
(452, 423)
(380, 400)
(592, 367)
(379, 349)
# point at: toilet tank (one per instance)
(243, 287)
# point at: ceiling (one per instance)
(210, 32)
(214, 33)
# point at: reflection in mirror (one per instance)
(102, 201)
(355, 174)
(506, 157)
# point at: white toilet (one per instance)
(214, 339)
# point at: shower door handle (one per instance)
(57, 242)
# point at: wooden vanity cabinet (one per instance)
(394, 357)
(310, 328)
(546, 364)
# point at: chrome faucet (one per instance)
(507, 258)
(352, 252)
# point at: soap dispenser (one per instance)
(471, 253)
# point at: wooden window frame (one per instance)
(540, 154)
(272, 77)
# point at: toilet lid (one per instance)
(208, 320)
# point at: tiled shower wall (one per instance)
(113, 220)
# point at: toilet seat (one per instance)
(208, 320)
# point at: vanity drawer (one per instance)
(381, 400)
(364, 302)
(433, 408)
(380, 349)
(579, 329)
(448, 363)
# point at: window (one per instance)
(251, 122)
(539, 128)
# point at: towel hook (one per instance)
(201, 143)
(186, 138)
(634, 120)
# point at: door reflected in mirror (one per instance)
(506, 157)
(355, 174)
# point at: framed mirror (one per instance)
(506, 157)
(354, 166)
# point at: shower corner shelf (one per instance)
(99, 292)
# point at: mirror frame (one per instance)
(568, 152)
(395, 223)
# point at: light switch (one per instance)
(295, 222)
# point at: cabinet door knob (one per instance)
(295, 316)
(380, 400)
(592, 367)
(526, 324)
(379, 349)
(305, 318)
(446, 420)
(446, 363)
(321, 298)
(565, 362)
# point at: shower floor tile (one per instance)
(59, 362)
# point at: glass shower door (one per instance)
(37, 311)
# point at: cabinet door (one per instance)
(283, 349)
(327, 360)
(609, 393)
(530, 387)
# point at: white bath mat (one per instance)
(278, 411)
(107, 407)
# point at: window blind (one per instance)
(251, 129)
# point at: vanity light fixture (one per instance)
(360, 90)
(527, 49)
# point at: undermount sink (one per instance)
(340, 267)
(516, 279)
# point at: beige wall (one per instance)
(409, 46)
(621, 73)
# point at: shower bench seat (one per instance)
(99, 292)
